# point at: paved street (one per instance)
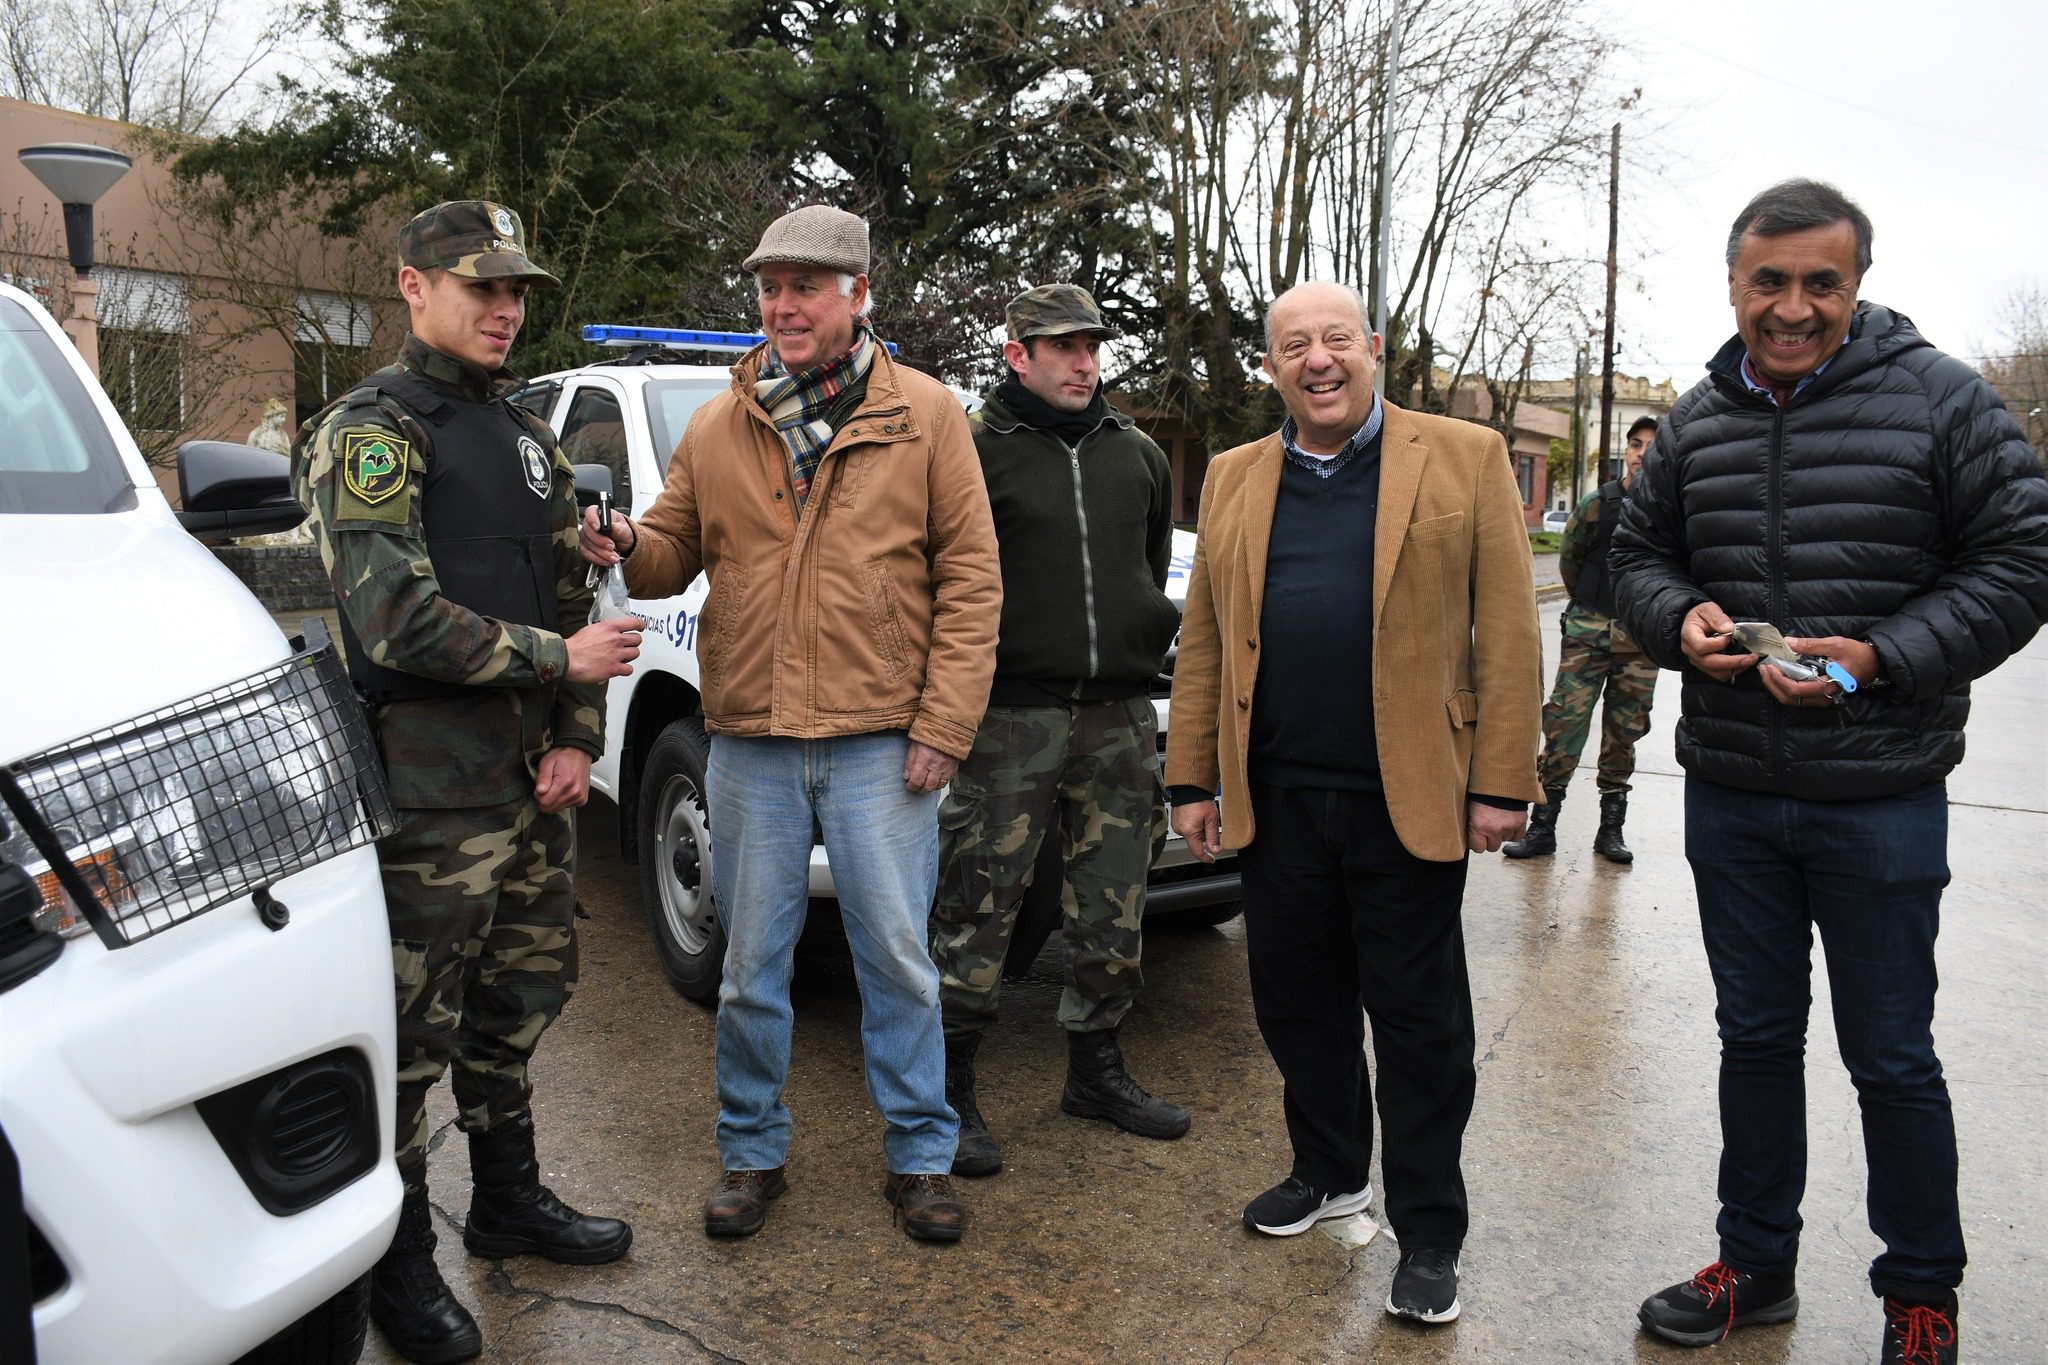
(1590, 1159)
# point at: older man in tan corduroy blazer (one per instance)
(1360, 677)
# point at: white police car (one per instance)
(196, 1023)
(627, 414)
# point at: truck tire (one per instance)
(675, 860)
(331, 1334)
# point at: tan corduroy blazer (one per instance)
(1457, 661)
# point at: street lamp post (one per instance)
(78, 174)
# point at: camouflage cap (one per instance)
(815, 234)
(1054, 310)
(473, 238)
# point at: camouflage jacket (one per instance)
(1580, 531)
(482, 745)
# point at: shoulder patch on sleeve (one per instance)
(374, 467)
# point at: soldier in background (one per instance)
(1083, 506)
(1597, 653)
(447, 523)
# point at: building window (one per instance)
(330, 349)
(144, 324)
(1525, 477)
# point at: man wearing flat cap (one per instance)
(1083, 506)
(833, 499)
(447, 522)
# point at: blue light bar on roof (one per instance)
(609, 334)
(678, 338)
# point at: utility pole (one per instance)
(1607, 349)
(1379, 310)
(1578, 424)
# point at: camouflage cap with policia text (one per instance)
(473, 238)
(1055, 310)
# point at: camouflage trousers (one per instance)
(1597, 652)
(483, 945)
(1090, 771)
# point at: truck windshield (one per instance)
(669, 405)
(57, 455)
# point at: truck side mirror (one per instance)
(235, 490)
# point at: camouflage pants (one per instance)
(1091, 771)
(1597, 652)
(483, 945)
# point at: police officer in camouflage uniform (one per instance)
(1069, 748)
(447, 521)
(1597, 653)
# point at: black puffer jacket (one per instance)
(1895, 501)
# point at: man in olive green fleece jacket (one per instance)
(1083, 513)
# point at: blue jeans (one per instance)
(1869, 875)
(884, 843)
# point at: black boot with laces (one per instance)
(410, 1302)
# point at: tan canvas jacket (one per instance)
(877, 610)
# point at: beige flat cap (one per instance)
(815, 234)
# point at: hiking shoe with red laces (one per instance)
(1706, 1308)
(1919, 1333)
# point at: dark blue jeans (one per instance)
(1869, 876)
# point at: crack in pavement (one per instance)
(1551, 929)
(501, 1281)
(1350, 1267)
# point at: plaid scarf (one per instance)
(802, 405)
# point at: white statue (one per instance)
(269, 434)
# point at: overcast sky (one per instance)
(1933, 117)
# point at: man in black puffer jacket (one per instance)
(1839, 478)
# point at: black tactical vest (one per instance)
(486, 513)
(1596, 586)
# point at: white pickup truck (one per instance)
(196, 1021)
(627, 414)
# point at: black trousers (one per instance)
(1343, 924)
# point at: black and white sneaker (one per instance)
(1425, 1287)
(1296, 1206)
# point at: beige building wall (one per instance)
(267, 307)
(1634, 396)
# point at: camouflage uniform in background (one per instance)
(1597, 652)
(477, 879)
(1084, 775)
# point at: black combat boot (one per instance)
(978, 1153)
(1098, 1087)
(1541, 840)
(1607, 843)
(512, 1214)
(410, 1302)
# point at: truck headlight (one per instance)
(171, 814)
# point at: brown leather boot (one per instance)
(930, 1210)
(738, 1205)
